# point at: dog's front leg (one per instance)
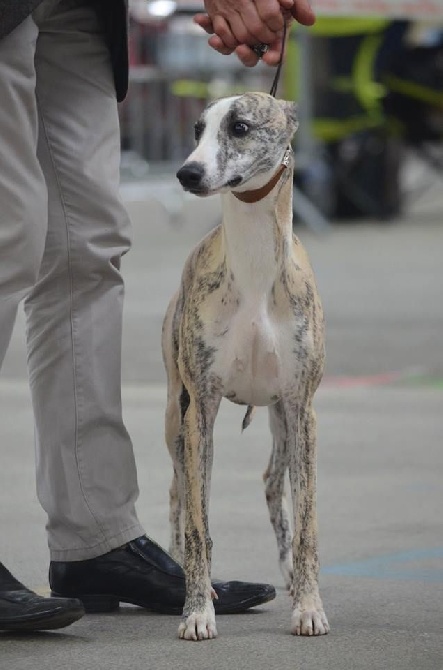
(198, 613)
(308, 616)
(274, 479)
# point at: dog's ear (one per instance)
(290, 110)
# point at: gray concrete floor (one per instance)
(380, 461)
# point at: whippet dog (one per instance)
(246, 324)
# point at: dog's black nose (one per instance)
(191, 175)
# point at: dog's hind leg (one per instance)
(177, 402)
(198, 613)
(274, 479)
(175, 411)
(308, 616)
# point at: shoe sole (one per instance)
(102, 604)
(41, 622)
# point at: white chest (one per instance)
(253, 337)
(254, 356)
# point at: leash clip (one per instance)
(286, 157)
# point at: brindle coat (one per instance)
(246, 324)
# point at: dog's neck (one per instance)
(257, 234)
(258, 194)
(251, 197)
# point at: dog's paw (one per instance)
(310, 621)
(199, 625)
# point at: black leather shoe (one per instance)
(142, 573)
(22, 610)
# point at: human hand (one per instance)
(239, 25)
(243, 51)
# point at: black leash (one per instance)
(274, 86)
(261, 49)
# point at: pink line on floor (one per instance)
(363, 380)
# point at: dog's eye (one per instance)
(198, 130)
(239, 128)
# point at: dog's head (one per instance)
(241, 141)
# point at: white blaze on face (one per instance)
(208, 147)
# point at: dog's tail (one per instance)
(248, 417)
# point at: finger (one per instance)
(204, 22)
(246, 55)
(225, 32)
(303, 12)
(216, 43)
(273, 54)
(240, 27)
(260, 29)
(270, 13)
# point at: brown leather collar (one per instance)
(259, 193)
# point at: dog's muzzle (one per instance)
(191, 176)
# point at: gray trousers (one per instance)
(63, 231)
